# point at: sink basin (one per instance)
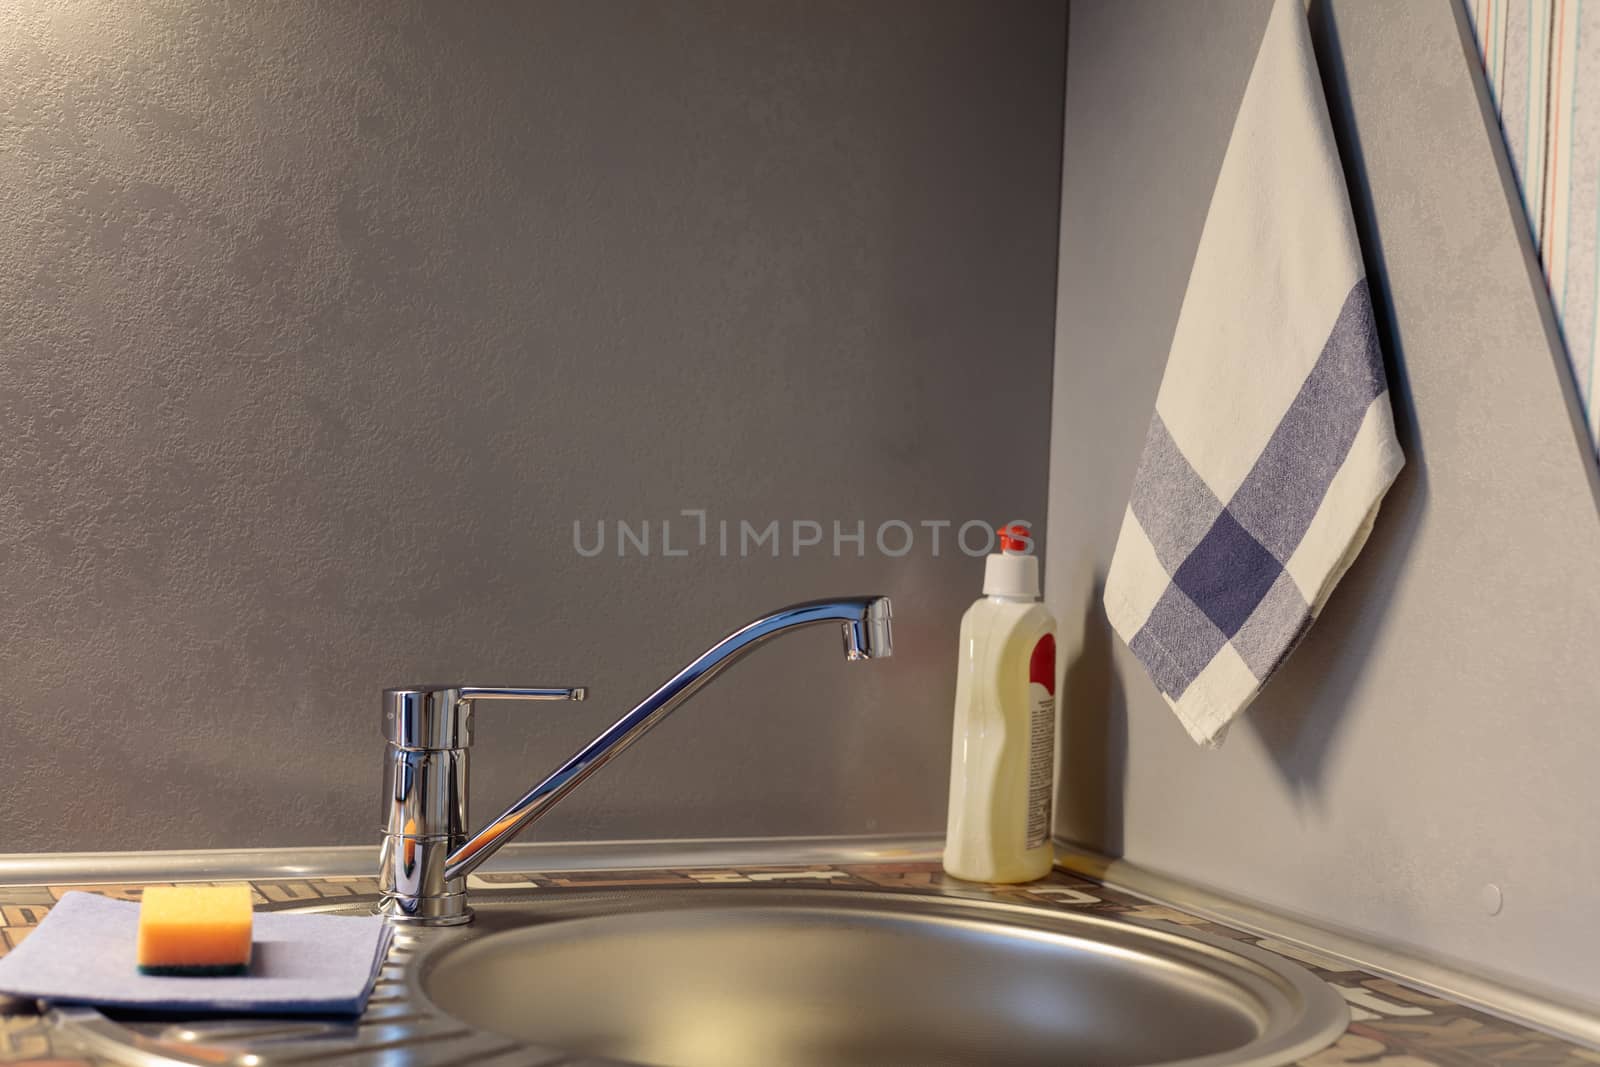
(781, 977)
(784, 978)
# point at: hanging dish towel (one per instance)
(1272, 442)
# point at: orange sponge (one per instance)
(195, 930)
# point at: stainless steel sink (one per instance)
(805, 979)
(712, 977)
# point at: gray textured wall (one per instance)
(321, 323)
(1437, 731)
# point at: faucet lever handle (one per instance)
(478, 692)
(439, 717)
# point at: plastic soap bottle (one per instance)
(1003, 756)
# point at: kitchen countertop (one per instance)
(1392, 1025)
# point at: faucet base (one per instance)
(426, 911)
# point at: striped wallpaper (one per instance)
(1542, 58)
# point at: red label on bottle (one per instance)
(1042, 664)
(1041, 738)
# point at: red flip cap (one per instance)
(1015, 538)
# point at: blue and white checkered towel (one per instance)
(1273, 441)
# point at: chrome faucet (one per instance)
(427, 854)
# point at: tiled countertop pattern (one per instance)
(1391, 1024)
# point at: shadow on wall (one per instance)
(1092, 744)
(1299, 712)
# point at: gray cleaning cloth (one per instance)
(85, 951)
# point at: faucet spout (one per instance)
(867, 635)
